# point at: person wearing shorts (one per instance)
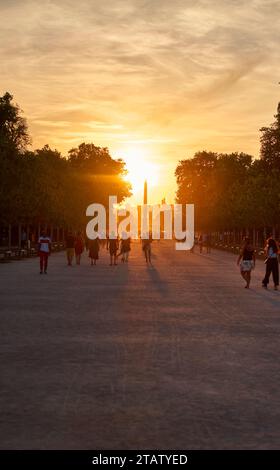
(247, 261)
(112, 246)
(44, 251)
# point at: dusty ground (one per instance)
(178, 355)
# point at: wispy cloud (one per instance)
(103, 126)
(45, 123)
(136, 71)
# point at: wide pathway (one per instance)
(178, 355)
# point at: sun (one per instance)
(140, 169)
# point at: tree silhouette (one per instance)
(42, 186)
(13, 127)
(270, 144)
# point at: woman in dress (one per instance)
(79, 247)
(272, 263)
(93, 250)
(247, 261)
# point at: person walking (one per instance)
(112, 246)
(247, 261)
(200, 243)
(44, 251)
(23, 239)
(93, 250)
(272, 263)
(208, 243)
(204, 241)
(122, 249)
(194, 242)
(79, 247)
(146, 246)
(125, 248)
(70, 247)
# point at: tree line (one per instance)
(234, 192)
(46, 188)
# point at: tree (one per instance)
(208, 180)
(194, 179)
(44, 187)
(13, 127)
(96, 175)
(14, 139)
(270, 144)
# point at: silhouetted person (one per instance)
(23, 239)
(125, 248)
(93, 250)
(70, 247)
(200, 243)
(248, 260)
(79, 247)
(112, 246)
(208, 243)
(272, 263)
(146, 246)
(44, 251)
(192, 248)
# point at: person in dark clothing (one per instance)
(146, 246)
(112, 246)
(208, 243)
(23, 239)
(200, 243)
(125, 248)
(93, 247)
(272, 263)
(79, 247)
(70, 247)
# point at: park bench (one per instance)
(6, 256)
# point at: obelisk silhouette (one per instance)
(145, 200)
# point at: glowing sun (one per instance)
(140, 169)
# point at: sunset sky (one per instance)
(153, 80)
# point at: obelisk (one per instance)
(145, 200)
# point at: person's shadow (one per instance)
(156, 280)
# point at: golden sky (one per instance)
(153, 80)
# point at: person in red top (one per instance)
(44, 251)
(79, 247)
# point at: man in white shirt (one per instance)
(44, 251)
